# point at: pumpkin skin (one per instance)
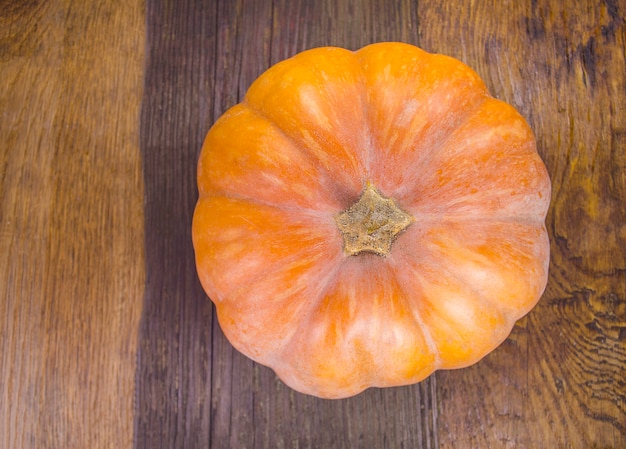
(311, 134)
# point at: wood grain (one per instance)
(71, 222)
(559, 380)
(174, 364)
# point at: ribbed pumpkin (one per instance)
(365, 218)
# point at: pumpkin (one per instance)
(366, 218)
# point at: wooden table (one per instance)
(106, 338)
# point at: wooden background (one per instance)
(106, 338)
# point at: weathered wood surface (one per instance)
(71, 222)
(106, 339)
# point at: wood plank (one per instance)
(252, 408)
(174, 364)
(559, 380)
(247, 401)
(71, 222)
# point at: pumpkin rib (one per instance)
(351, 176)
(492, 302)
(532, 250)
(424, 158)
(403, 299)
(325, 286)
(525, 219)
(439, 255)
(269, 357)
(422, 266)
(454, 330)
(230, 298)
(228, 178)
(344, 199)
(535, 249)
(284, 370)
(321, 215)
(402, 78)
(369, 155)
(417, 315)
(439, 244)
(207, 245)
(451, 177)
(349, 346)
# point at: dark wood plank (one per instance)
(251, 407)
(248, 403)
(71, 221)
(174, 364)
(559, 380)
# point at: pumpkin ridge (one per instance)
(302, 322)
(515, 151)
(368, 152)
(219, 193)
(466, 80)
(269, 358)
(303, 226)
(476, 355)
(316, 214)
(331, 82)
(493, 302)
(460, 217)
(438, 259)
(416, 314)
(377, 375)
(335, 185)
(507, 311)
(327, 192)
(512, 311)
(426, 157)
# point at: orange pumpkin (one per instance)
(365, 218)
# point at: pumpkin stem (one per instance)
(372, 223)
